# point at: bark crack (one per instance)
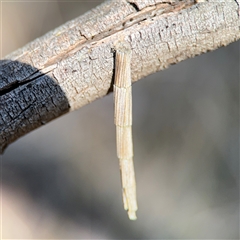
(24, 110)
(14, 85)
(134, 5)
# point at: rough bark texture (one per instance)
(74, 64)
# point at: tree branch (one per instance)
(73, 65)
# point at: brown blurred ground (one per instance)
(62, 180)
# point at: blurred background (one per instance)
(62, 180)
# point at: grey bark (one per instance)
(73, 65)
